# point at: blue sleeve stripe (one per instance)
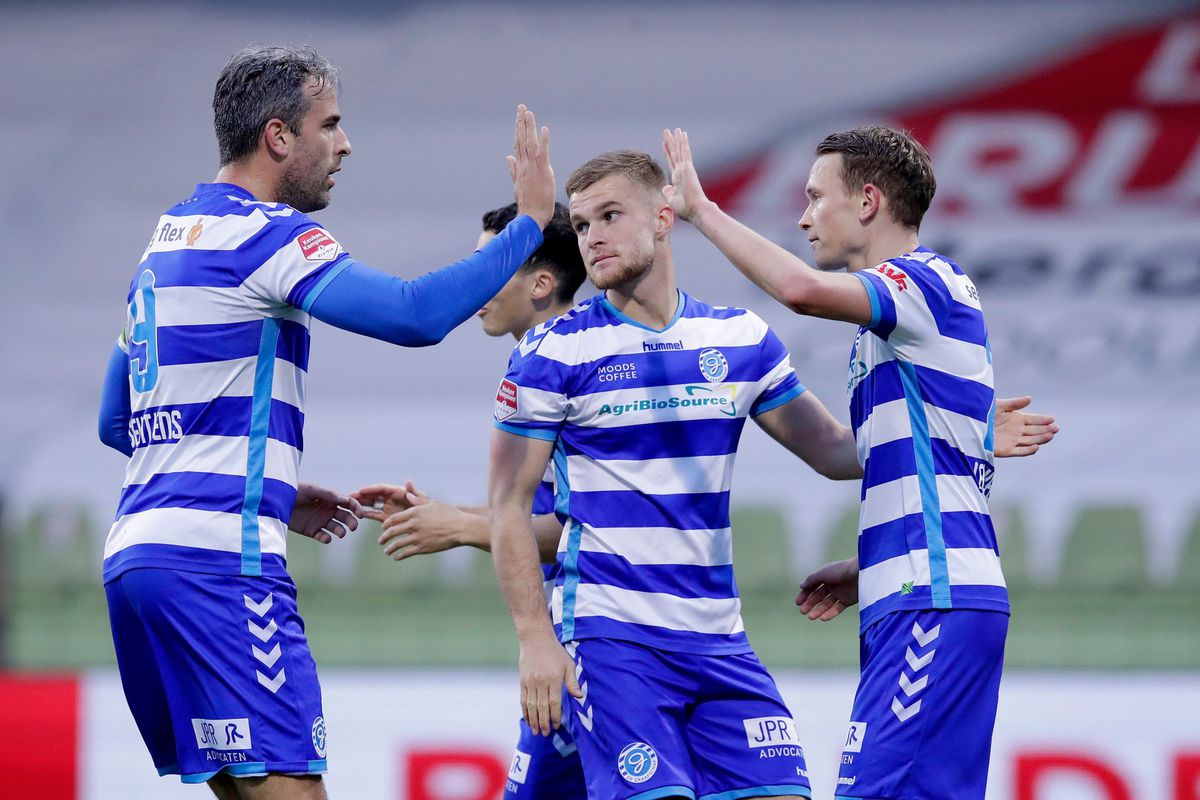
(873, 296)
(326, 279)
(529, 433)
(775, 402)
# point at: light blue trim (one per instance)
(845, 797)
(562, 491)
(629, 321)
(872, 296)
(931, 505)
(562, 483)
(256, 451)
(530, 433)
(776, 790)
(665, 791)
(170, 769)
(776, 402)
(989, 440)
(246, 768)
(326, 279)
(254, 768)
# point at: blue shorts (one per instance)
(545, 767)
(655, 723)
(925, 707)
(217, 673)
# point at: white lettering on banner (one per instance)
(1173, 75)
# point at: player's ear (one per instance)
(542, 286)
(277, 139)
(870, 202)
(664, 222)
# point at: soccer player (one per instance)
(205, 393)
(543, 768)
(934, 608)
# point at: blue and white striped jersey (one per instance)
(543, 503)
(217, 337)
(922, 408)
(646, 425)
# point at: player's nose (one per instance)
(343, 143)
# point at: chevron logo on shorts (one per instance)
(264, 633)
(909, 687)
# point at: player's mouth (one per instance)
(601, 259)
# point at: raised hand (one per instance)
(829, 591)
(1018, 433)
(529, 165)
(685, 194)
(322, 513)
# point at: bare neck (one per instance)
(652, 298)
(256, 178)
(891, 242)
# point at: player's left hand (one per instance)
(321, 513)
(829, 591)
(426, 526)
(685, 194)
(1018, 433)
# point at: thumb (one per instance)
(572, 683)
(1013, 403)
(414, 499)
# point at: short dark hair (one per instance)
(559, 251)
(892, 160)
(261, 83)
(639, 167)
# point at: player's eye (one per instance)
(581, 228)
(609, 216)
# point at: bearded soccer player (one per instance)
(934, 608)
(543, 767)
(205, 393)
(639, 396)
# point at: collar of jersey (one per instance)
(629, 321)
(225, 188)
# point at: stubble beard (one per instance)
(303, 190)
(615, 278)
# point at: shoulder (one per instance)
(725, 323)
(555, 337)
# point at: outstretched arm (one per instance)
(416, 524)
(805, 427)
(421, 312)
(516, 468)
(773, 269)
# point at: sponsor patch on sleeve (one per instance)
(506, 400)
(895, 275)
(318, 245)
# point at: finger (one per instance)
(820, 607)
(517, 129)
(346, 518)
(512, 166)
(354, 507)
(544, 145)
(833, 611)
(399, 543)
(556, 711)
(1013, 403)
(811, 597)
(525, 704)
(417, 500)
(372, 514)
(414, 490)
(572, 681)
(543, 710)
(685, 146)
(323, 536)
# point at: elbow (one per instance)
(418, 336)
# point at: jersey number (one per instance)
(143, 336)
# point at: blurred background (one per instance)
(1066, 139)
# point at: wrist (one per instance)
(703, 214)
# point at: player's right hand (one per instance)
(684, 193)
(529, 165)
(545, 667)
(829, 591)
(382, 500)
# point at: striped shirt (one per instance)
(922, 408)
(645, 426)
(217, 337)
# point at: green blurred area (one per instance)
(1099, 610)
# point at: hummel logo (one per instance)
(906, 588)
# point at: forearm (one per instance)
(772, 268)
(114, 404)
(474, 532)
(514, 552)
(421, 312)
(841, 456)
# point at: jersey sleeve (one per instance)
(307, 260)
(532, 399)
(907, 300)
(779, 383)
